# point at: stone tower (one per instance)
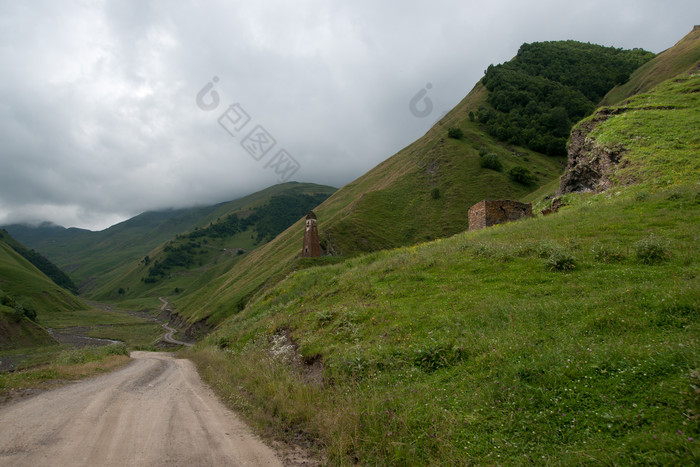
(312, 244)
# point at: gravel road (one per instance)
(154, 412)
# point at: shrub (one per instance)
(436, 356)
(18, 313)
(6, 299)
(606, 254)
(435, 193)
(90, 354)
(560, 260)
(641, 196)
(652, 250)
(522, 175)
(544, 248)
(491, 161)
(454, 132)
(30, 313)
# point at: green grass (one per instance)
(18, 334)
(28, 345)
(26, 284)
(60, 366)
(660, 130)
(141, 335)
(473, 350)
(136, 330)
(58, 309)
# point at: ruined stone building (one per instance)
(312, 243)
(493, 211)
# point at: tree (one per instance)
(537, 97)
(522, 175)
(491, 161)
(455, 133)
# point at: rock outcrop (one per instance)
(591, 165)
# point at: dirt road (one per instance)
(155, 411)
(169, 336)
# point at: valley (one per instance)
(562, 339)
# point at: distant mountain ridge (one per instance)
(88, 256)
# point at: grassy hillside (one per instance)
(537, 96)
(391, 205)
(211, 248)
(421, 193)
(568, 339)
(652, 137)
(91, 258)
(42, 263)
(679, 58)
(659, 129)
(20, 332)
(24, 282)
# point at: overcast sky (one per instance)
(112, 108)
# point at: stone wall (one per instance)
(491, 212)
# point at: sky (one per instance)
(112, 108)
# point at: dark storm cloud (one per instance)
(97, 99)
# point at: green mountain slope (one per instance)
(181, 263)
(43, 264)
(391, 205)
(421, 193)
(20, 332)
(679, 58)
(548, 86)
(652, 138)
(568, 339)
(89, 256)
(23, 282)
